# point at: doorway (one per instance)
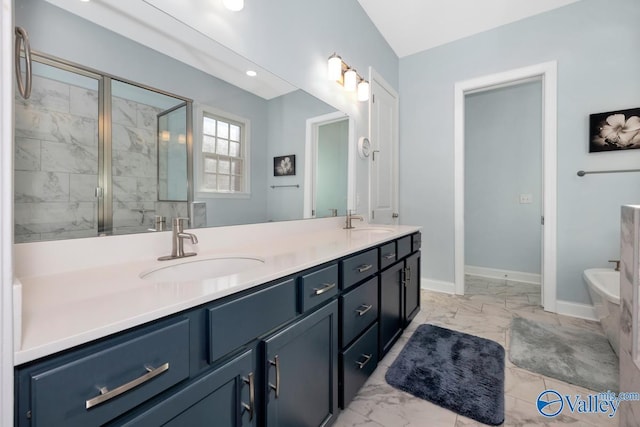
(503, 183)
(547, 73)
(329, 165)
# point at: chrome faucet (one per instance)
(351, 217)
(177, 241)
(617, 261)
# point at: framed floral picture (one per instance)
(284, 165)
(615, 130)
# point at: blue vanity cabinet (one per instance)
(225, 397)
(287, 353)
(411, 287)
(391, 306)
(400, 291)
(301, 371)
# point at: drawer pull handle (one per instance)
(326, 287)
(390, 256)
(252, 396)
(363, 309)
(367, 357)
(364, 268)
(106, 394)
(276, 362)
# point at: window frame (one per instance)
(245, 148)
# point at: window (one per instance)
(223, 166)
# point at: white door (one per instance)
(383, 130)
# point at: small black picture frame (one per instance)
(614, 130)
(284, 165)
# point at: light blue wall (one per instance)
(503, 159)
(598, 71)
(288, 116)
(294, 38)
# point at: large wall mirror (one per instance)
(119, 131)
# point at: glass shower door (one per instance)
(56, 154)
(139, 124)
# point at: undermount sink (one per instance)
(200, 269)
(373, 230)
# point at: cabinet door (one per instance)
(391, 302)
(222, 398)
(411, 287)
(302, 371)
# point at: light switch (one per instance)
(526, 198)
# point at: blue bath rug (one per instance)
(569, 354)
(460, 372)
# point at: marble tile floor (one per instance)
(485, 310)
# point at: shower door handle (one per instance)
(22, 39)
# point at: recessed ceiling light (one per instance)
(251, 73)
(234, 5)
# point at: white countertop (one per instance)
(68, 308)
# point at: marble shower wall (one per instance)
(629, 412)
(56, 163)
(134, 165)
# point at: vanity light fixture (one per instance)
(350, 80)
(234, 5)
(363, 90)
(339, 71)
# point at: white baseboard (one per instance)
(496, 273)
(582, 311)
(437, 285)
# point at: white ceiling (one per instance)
(411, 26)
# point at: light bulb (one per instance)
(363, 90)
(334, 68)
(350, 80)
(234, 5)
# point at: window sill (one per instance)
(216, 195)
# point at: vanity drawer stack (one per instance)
(359, 322)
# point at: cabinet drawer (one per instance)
(318, 287)
(97, 388)
(218, 395)
(239, 321)
(404, 246)
(388, 255)
(359, 267)
(416, 241)
(358, 363)
(359, 309)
